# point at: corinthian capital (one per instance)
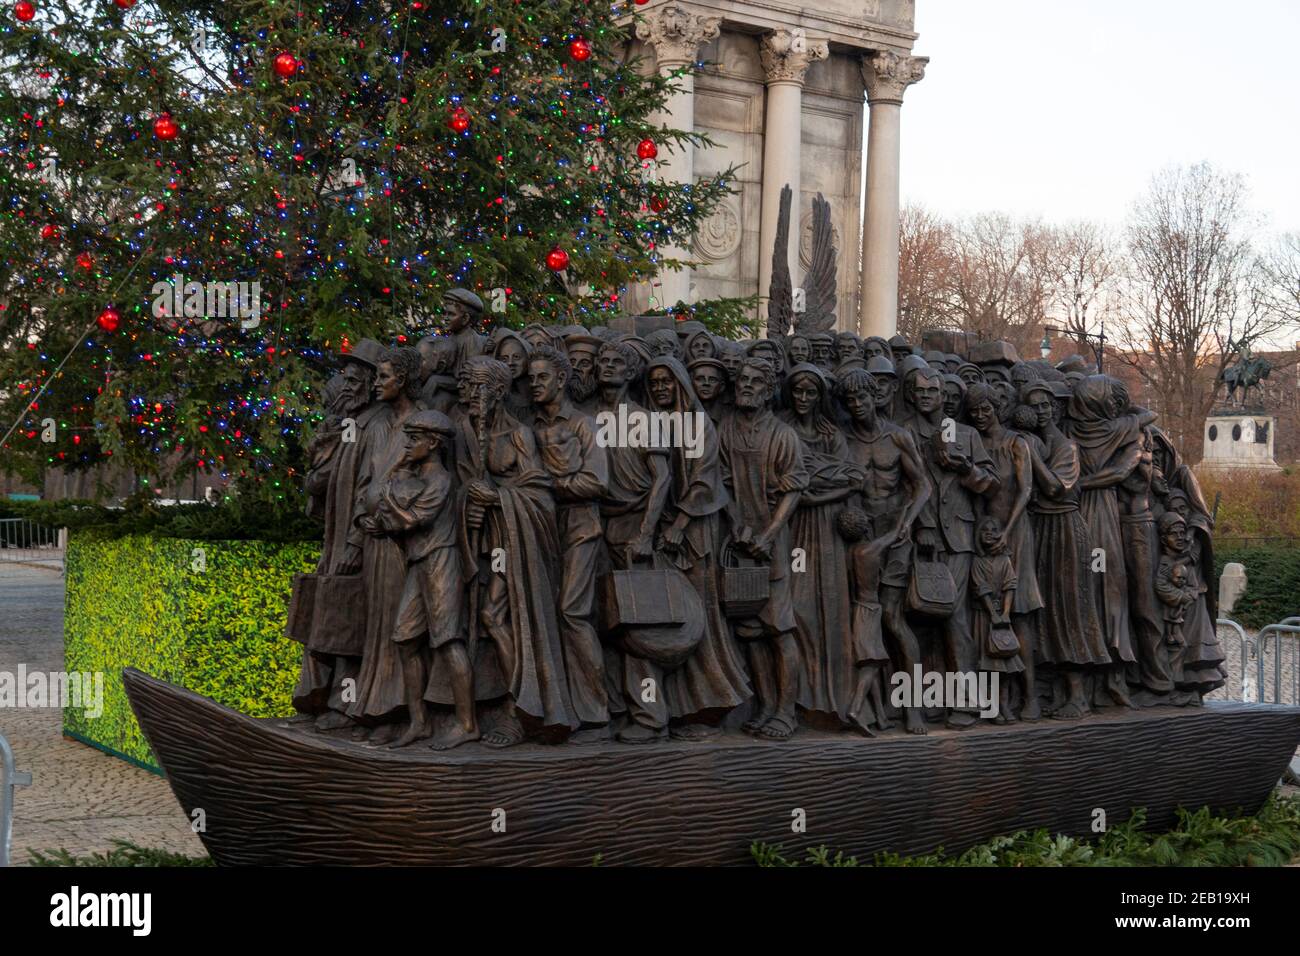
(887, 75)
(676, 33)
(787, 53)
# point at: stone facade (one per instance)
(781, 96)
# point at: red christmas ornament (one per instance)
(24, 11)
(49, 231)
(164, 127)
(125, 4)
(642, 3)
(109, 319)
(580, 50)
(285, 65)
(646, 149)
(658, 203)
(459, 120)
(557, 260)
(84, 260)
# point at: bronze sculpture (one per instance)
(1006, 522)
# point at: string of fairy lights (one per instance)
(519, 130)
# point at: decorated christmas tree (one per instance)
(203, 200)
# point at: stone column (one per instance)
(676, 34)
(786, 55)
(886, 75)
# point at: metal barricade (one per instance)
(1289, 626)
(27, 542)
(1246, 648)
(10, 780)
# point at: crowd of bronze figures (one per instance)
(493, 570)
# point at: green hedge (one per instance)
(1272, 583)
(139, 601)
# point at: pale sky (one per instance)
(1064, 108)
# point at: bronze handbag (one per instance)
(931, 592)
(1002, 640)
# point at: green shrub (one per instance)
(1272, 583)
(139, 601)
(1270, 837)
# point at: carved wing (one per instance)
(819, 282)
(780, 305)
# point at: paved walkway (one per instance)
(81, 799)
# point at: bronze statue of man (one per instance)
(579, 470)
(763, 468)
(331, 494)
(895, 488)
(960, 472)
(511, 547)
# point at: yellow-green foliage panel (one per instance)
(207, 615)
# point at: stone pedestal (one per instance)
(1239, 439)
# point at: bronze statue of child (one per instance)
(865, 561)
(1175, 593)
(417, 508)
(993, 583)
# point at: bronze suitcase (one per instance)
(339, 621)
(302, 605)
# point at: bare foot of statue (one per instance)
(961, 720)
(416, 731)
(456, 736)
(332, 720)
(384, 734)
(506, 733)
(301, 719)
(1184, 698)
(1119, 694)
(360, 733)
(1031, 711)
(694, 732)
(634, 733)
(884, 723)
(755, 723)
(777, 728)
(914, 721)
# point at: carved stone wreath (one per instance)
(719, 236)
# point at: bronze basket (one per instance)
(745, 588)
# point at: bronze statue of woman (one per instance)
(1009, 504)
(380, 700)
(819, 584)
(1109, 445)
(1070, 636)
(515, 350)
(712, 681)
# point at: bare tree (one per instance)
(1083, 264)
(999, 281)
(1192, 294)
(1280, 272)
(924, 272)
